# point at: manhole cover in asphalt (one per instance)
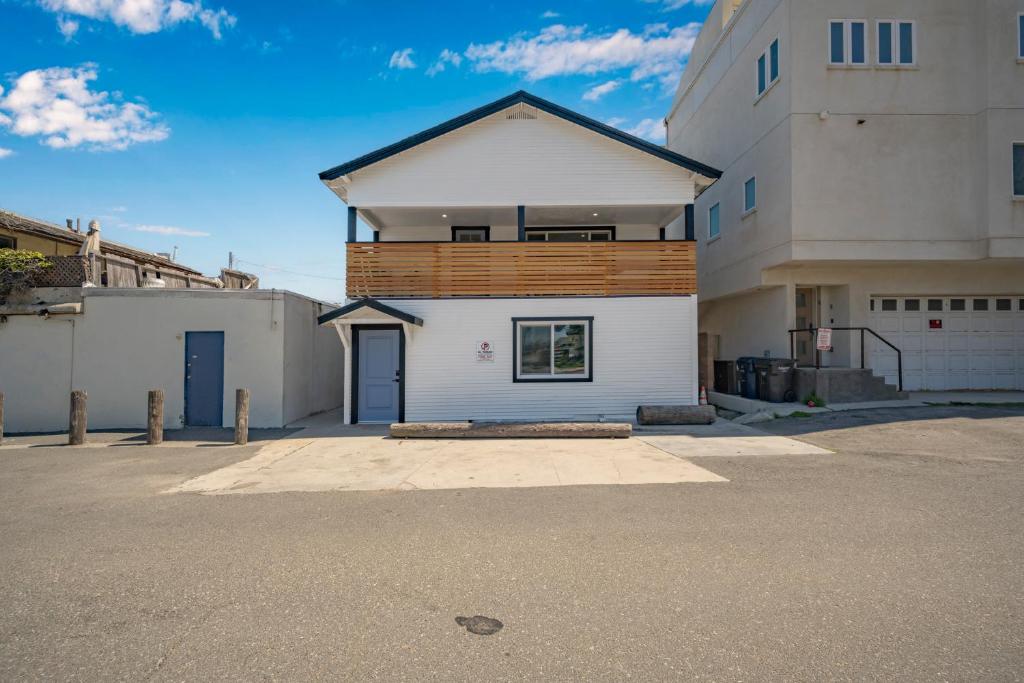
(482, 626)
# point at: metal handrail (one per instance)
(862, 330)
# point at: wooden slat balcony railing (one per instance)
(453, 269)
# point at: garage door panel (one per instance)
(977, 346)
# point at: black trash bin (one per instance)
(775, 379)
(746, 376)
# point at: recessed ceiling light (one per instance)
(595, 214)
(444, 215)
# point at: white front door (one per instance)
(950, 342)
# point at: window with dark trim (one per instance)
(7, 242)
(934, 304)
(911, 304)
(1004, 305)
(603, 234)
(552, 349)
(980, 304)
(476, 234)
(958, 304)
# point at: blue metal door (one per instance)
(379, 377)
(204, 379)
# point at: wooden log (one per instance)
(155, 421)
(241, 416)
(511, 430)
(1, 417)
(77, 419)
(675, 415)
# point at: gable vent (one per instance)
(521, 112)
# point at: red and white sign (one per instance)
(484, 352)
(824, 342)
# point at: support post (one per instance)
(1, 417)
(352, 224)
(521, 222)
(77, 419)
(688, 220)
(155, 421)
(241, 416)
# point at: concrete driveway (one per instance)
(330, 457)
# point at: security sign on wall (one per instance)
(484, 352)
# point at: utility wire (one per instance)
(276, 269)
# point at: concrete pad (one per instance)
(723, 439)
(359, 460)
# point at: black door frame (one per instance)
(355, 368)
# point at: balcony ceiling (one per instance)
(390, 217)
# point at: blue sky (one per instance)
(202, 125)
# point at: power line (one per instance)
(277, 269)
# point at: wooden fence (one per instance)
(452, 269)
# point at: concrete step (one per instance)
(844, 385)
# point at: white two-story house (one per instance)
(873, 160)
(519, 270)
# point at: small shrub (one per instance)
(814, 401)
(18, 268)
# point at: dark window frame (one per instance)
(9, 238)
(485, 228)
(612, 237)
(589, 320)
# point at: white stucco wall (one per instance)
(645, 352)
(313, 361)
(127, 342)
(909, 164)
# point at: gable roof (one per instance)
(520, 97)
(369, 303)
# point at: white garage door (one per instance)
(948, 343)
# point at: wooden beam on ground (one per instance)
(675, 415)
(511, 430)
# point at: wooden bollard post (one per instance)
(155, 421)
(241, 416)
(78, 419)
(1, 417)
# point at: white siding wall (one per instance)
(540, 162)
(644, 353)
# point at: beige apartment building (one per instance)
(873, 176)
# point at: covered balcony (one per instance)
(434, 252)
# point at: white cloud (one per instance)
(57, 104)
(143, 16)
(402, 59)
(550, 14)
(67, 27)
(446, 57)
(649, 129)
(119, 209)
(558, 50)
(5, 152)
(171, 230)
(599, 91)
(671, 5)
(615, 121)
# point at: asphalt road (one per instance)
(899, 557)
